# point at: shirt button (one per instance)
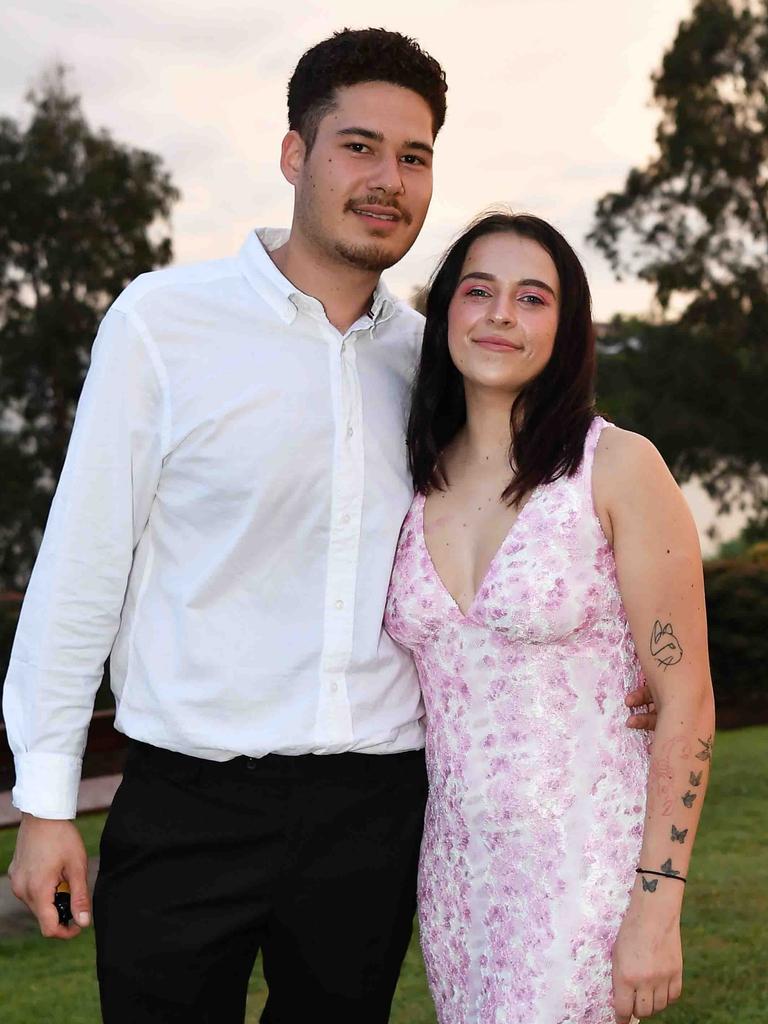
(339, 604)
(334, 687)
(346, 517)
(350, 431)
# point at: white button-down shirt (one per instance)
(225, 526)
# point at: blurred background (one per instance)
(137, 135)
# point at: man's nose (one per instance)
(387, 176)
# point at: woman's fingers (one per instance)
(623, 999)
(643, 1002)
(675, 988)
(660, 998)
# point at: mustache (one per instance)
(378, 200)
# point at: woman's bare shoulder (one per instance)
(628, 470)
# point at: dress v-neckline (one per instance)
(465, 614)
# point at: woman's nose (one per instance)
(502, 315)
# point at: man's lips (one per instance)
(384, 214)
(498, 344)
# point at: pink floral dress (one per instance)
(537, 788)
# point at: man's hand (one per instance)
(48, 852)
(644, 719)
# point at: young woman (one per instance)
(547, 565)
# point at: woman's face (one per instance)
(503, 316)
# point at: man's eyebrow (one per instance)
(527, 282)
(368, 133)
(423, 147)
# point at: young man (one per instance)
(225, 526)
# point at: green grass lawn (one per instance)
(726, 981)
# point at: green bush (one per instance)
(737, 613)
(9, 616)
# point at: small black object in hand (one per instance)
(62, 902)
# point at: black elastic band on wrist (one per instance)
(661, 874)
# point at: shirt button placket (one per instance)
(334, 724)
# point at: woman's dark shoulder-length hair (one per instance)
(552, 413)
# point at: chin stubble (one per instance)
(365, 257)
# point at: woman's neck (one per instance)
(486, 435)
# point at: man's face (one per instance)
(363, 191)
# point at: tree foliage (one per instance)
(81, 215)
(694, 223)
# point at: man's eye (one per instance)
(357, 147)
(411, 159)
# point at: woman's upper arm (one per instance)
(658, 561)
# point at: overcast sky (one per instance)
(548, 107)
(548, 103)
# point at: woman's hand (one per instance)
(647, 963)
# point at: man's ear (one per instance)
(292, 155)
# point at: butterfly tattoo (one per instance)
(667, 868)
(688, 798)
(706, 753)
(695, 778)
(649, 886)
(679, 836)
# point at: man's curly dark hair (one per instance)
(353, 56)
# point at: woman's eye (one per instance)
(533, 300)
(480, 292)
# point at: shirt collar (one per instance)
(280, 293)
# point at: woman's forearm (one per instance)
(677, 781)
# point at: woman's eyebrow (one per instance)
(527, 282)
(533, 282)
(479, 274)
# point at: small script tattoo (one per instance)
(665, 647)
(662, 774)
(706, 753)
(649, 886)
(667, 868)
(695, 778)
(678, 836)
(688, 798)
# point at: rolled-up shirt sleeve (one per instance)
(72, 607)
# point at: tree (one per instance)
(81, 215)
(694, 223)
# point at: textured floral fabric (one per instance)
(537, 788)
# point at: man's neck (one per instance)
(344, 291)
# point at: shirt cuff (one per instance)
(47, 785)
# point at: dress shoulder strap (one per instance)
(590, 444)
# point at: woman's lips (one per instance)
(497, 344)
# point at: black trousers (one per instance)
(310, 859)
